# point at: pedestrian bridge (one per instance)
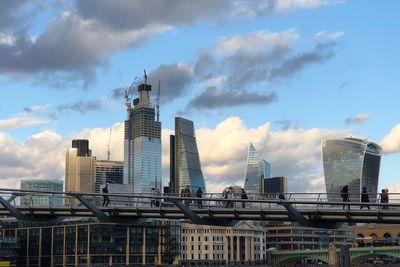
(308, 209)
(331, 256)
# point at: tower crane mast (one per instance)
(158, 101)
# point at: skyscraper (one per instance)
(42, 185)
(108, 171)
(353, 162)
(185, 160)
(275, 185)
(79, 169)
(256, 170)
(142, 144)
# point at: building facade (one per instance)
(42, 185)
(221, 245)
(352, 162)
(108, 171)
(185, 159)
(275, 185)
(80, 172)
(89, 244)
(257, 170)
(142, 144)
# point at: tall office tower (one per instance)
(108, 171)
(82, 146)
(42, 185)
(256, 170)
(275, 185)
(79, 170)
(142, 144)
(352, 162)
(185, 159)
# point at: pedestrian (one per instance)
(199, 194)
(345, 195)
(229, 194)
(153, 193)
(158, 200)
(364, 198)
(281, 196)
(385, 198)
(244, 197)
(106, 200)
(187, 193)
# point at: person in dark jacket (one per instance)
(244, 197)
(199, 194)
(345, 195)
(106, 200)
(364, 198)
(385, 197)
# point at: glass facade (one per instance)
(352, 162)
(256, 170)
(42, 185)
(275, 185)
(90, 244)
(142, 144)
(108, 171)
(186, 158)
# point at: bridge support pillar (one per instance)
(333, 256)
(339, 258)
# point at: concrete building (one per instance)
(219, 245)
(108, 171)
(257, 170)
(90, 243)
(142, 143)
(184, 158)
(42, 185)
(352, 162)
(79, 171)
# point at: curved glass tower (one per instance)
(256, 170)
(185, 159)
(353, 162)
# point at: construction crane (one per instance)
(109, 146)
(158, 101)
(128, 93)
(145, 77)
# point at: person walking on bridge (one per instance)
(199, 194)
(385, 197)
(345, 195)
(364, 198)
(106, 200)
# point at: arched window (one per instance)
(360, 235)
(387, 236)
(373, 235)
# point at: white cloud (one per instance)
(255, 42)
(391, 142)
(21, 122)
(324, 36)
(358, 119)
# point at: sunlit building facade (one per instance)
(142, 144)
(257, 169)
(185, 159)
(37, 200)
(352, 162)
(108, 171)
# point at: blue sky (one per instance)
(282, 74)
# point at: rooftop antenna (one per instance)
(145, 77)
(109, 146)
(158, 101)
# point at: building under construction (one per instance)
(142, 144)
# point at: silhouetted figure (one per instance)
(230, 203)
(106, 200)
(153, 193)
(364, 198)
(244, 196)
(281, 196)
(385, 197)
(187, 193)
(199, 194)
(157, 199)
(345, 195)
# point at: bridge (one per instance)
(331, 255)
(307, 209)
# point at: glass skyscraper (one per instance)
(352, 162)
(108, 171)
(42, 185)
(142, 144)
(185, 160)
(256, 170)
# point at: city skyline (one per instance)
(307, 76)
